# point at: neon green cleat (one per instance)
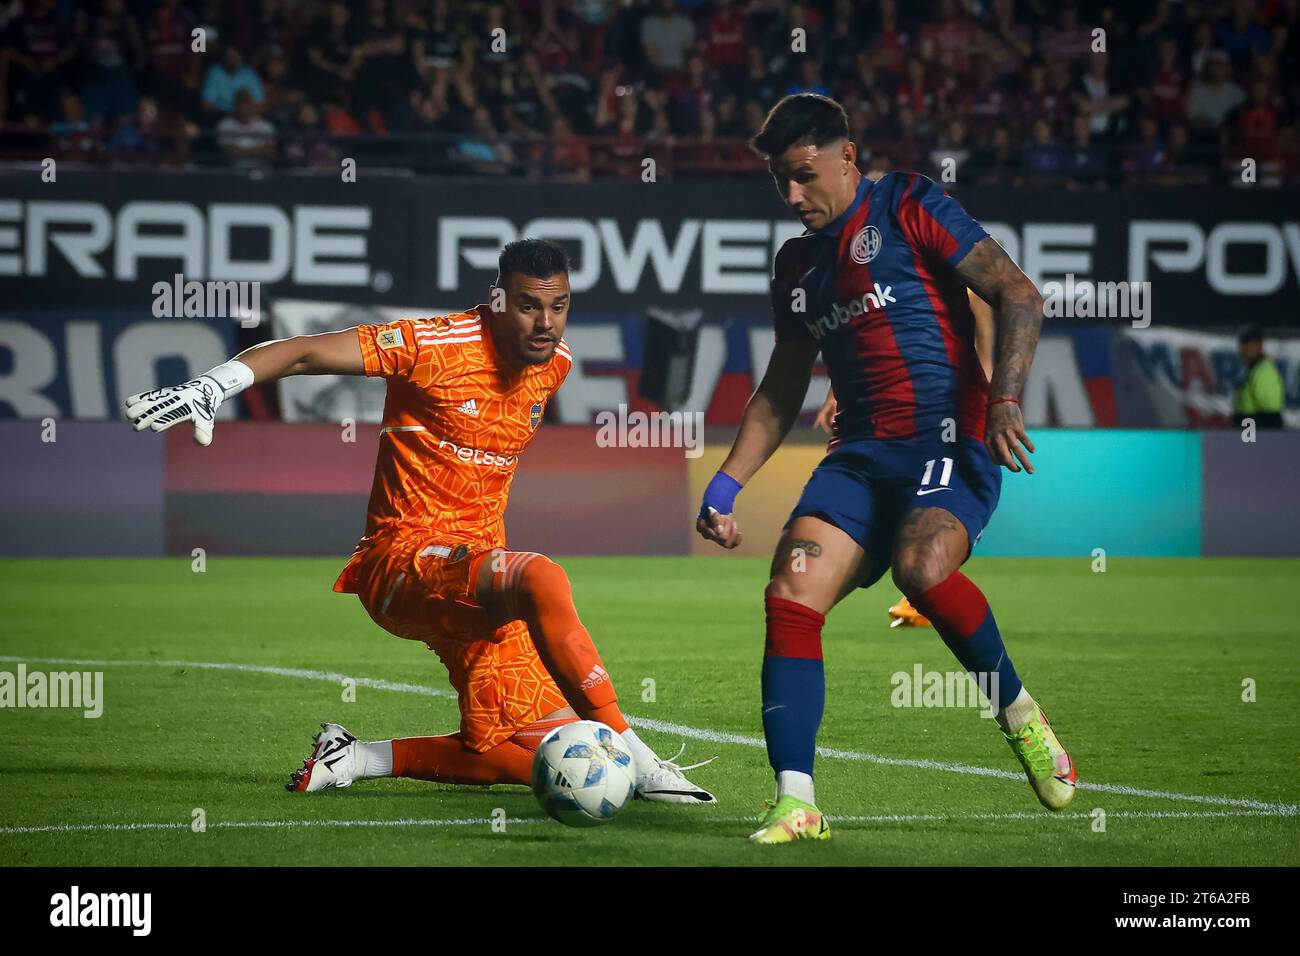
(1046, 762)
(790, 819)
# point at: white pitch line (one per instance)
(265, 825)
(485, 821)
(682, 730)
(332, 676)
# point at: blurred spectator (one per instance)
(730, 121)
(1097, 101)
(949, 39)
(328, 59)
(246, 138)
(893, 42)
(73, 133)
(308, 146)
(382, 68)
(759, 83)
(687, 81)
(1202, 47)
(915, 91)
(114, 51)
(725, 36)
(1181, 167)
(1043, 159)
(38, 44)
(529, 103)
(149, 133)
(1213, 98)
(1254, 126)
(1007, 44)
(809, 80)
(1039, 101)
(436, 45)
(695, 95)
(174, 68)
(998, 163)
(1067, 39)
(988, 100)
(950, 153)
(843, 43)
(281, 98)
(556, 37)
(1260, 396)
(666, 35)
(1241, 36)
(570, 156)
(1082, 161)
(483, 151)
(1166, 95)
(1146, 153)
(227, 79)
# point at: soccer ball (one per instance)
(583, 773)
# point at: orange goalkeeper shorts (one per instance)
(419, 587)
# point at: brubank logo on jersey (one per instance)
(843, 313)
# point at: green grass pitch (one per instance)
(1141, 669)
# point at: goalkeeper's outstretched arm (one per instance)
(197, 401)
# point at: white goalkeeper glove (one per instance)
(196, 401)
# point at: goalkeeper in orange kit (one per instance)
(466, 393)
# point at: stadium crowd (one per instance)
(1016, 92)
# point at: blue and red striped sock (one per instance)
(963, 619)
(794, 684)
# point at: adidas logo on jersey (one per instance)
(843, 314)
(469, 407)
(598, 675)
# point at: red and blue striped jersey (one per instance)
(881, 297)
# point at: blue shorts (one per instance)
(865, 488)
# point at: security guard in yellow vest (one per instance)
(1260, 395)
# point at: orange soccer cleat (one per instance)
(903, 614)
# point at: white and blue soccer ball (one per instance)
(583, 773)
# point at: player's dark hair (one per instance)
(531, 257)
(806, 119)
(1251, 333)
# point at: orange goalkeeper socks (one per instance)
(538, 590)
(446, 759)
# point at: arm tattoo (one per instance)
(1017, 309)
(810, 548)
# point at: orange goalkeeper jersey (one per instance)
(455, 422)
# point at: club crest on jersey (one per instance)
(389, 339)
(458, 553)
(866, 244)
(534, 416)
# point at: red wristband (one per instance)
(999, 401)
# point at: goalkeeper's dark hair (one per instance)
(805, 119)
(539, 258)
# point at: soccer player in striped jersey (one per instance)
(878, 285)
(466, 393)
(902, 614)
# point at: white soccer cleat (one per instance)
(666, 782)
(331, 763)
